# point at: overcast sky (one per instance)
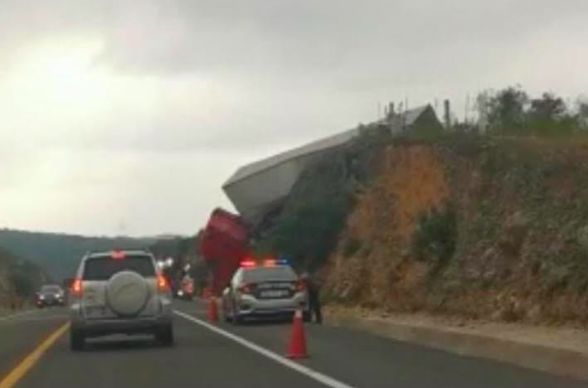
(125, 117)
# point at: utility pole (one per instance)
(447, 114)
(467, 108)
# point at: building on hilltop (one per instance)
(419, 120)
(259, 187)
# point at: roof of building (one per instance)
(407, 118)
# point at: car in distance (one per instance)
(268, 289)
(50, 295)
(186, 289)
(119, 292)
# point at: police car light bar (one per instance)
(273, 262)
(248, 264)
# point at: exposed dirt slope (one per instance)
(476, 227)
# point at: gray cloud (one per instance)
(200, 87)
(262, 36)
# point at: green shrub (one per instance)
(351, 247)
(310, 233)
(435, 237)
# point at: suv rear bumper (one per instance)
(100, 327)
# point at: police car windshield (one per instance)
(261, 274)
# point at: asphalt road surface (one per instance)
(244, 356)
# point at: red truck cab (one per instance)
(223, 244)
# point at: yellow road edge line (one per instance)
(29, 361)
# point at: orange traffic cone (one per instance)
(297, 345)
(212, 310)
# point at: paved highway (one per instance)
(244, 356)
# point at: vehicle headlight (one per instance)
(41, 297)
(180, 292)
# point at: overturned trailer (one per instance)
(262, 186)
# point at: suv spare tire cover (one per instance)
(127, 293)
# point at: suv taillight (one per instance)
(76, 287)
(162, 285)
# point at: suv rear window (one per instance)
(263, 274)
(102, 268)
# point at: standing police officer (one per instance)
(314, 303)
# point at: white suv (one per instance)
(119, 292)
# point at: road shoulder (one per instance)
(560, 351)
(10, 314)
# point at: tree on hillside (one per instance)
(549, 114)
(310, 233)
(18, 276)
(314, 214)
(511, 111)
(583, 113)
(504, 111)
(548, 108)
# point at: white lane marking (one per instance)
(321, 378)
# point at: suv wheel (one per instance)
(165, 335)
(76, 340)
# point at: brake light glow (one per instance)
(162, 285)
(76, 287)
(117, 255)
(248, 264)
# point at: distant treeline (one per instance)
(59, 254)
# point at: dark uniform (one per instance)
(314, 303)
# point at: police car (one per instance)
(269, 288)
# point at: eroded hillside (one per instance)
(472, 226)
